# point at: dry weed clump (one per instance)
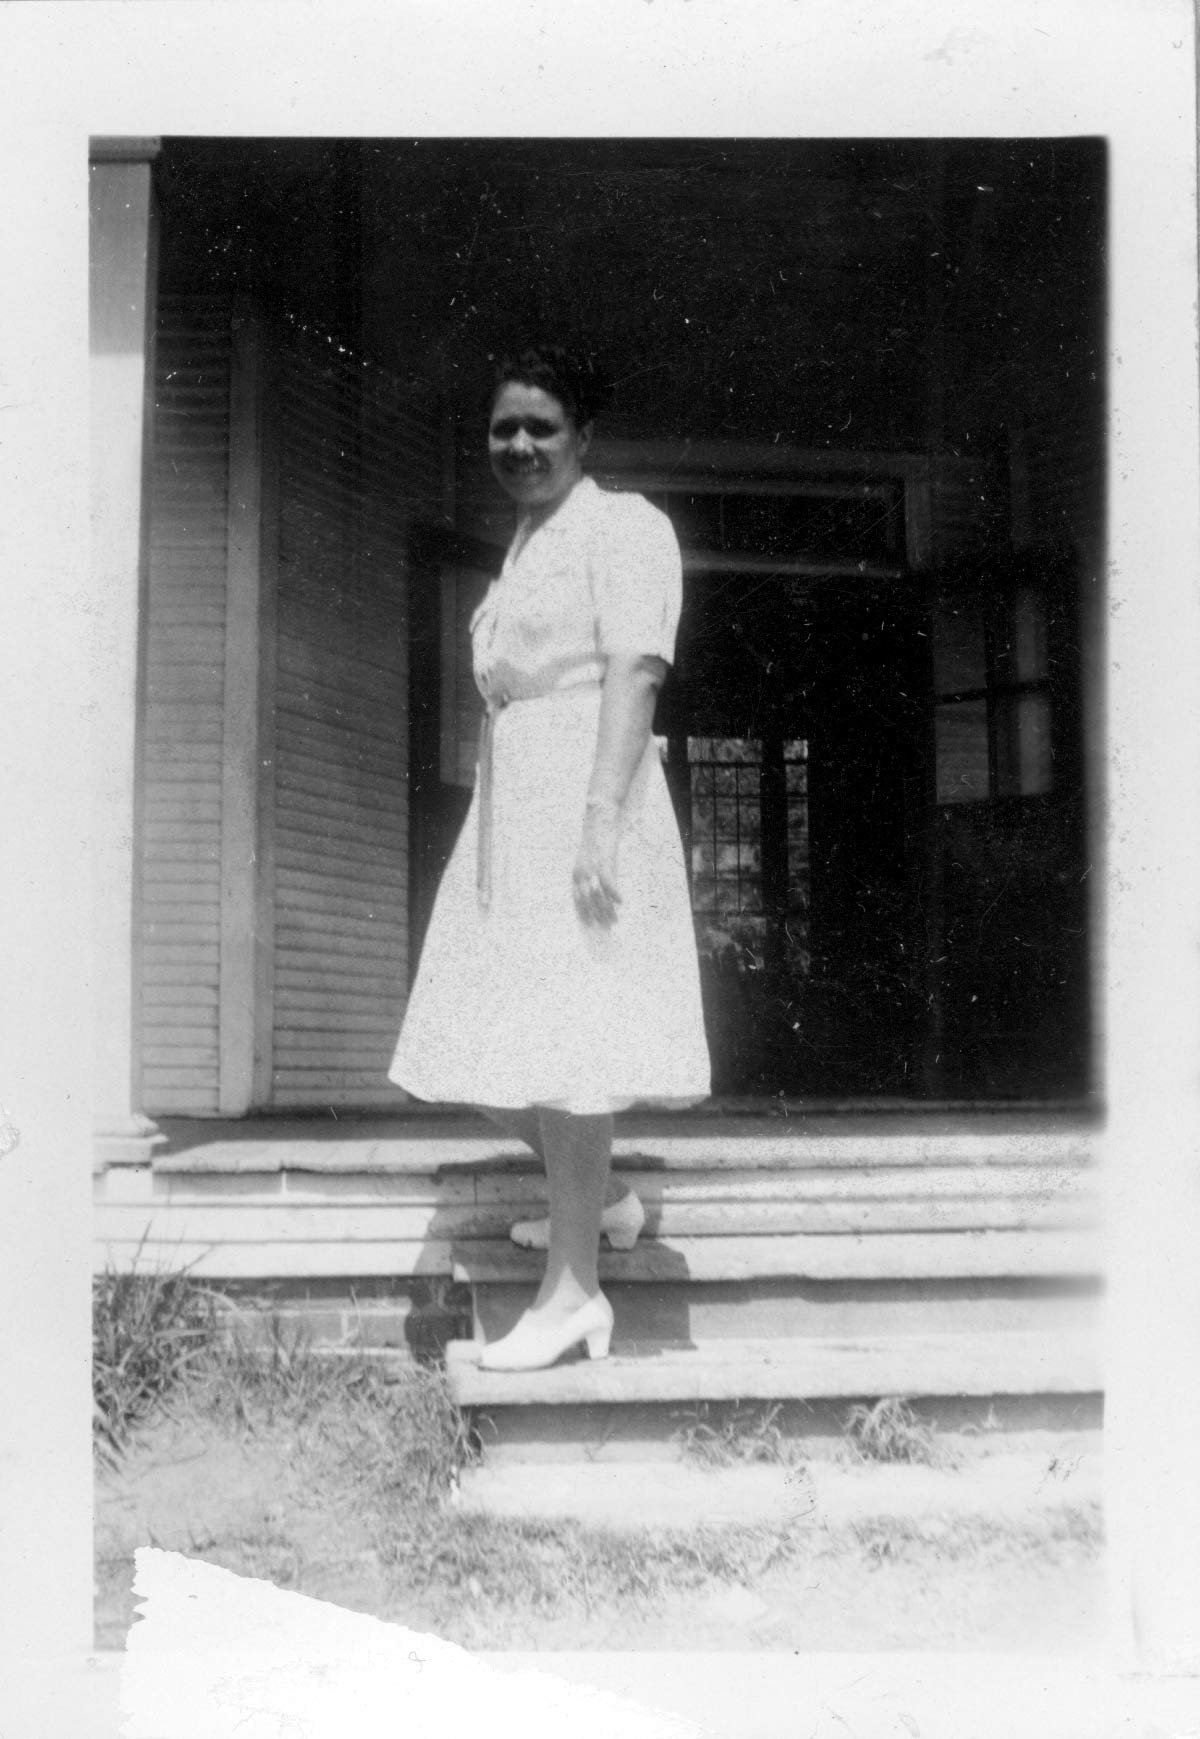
(890, 1431)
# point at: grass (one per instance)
(149, 1330)
(946, 1540)
(336, 1475)
(740, 1436)
(162, 1342)
(547, 1567)
(890, 1431)
(744, 1435)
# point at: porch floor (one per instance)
(895, 1134)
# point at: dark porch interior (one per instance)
(845, 305)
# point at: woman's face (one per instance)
(535, 446)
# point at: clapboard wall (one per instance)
(344, 460)
(356, 465)
(182, 714)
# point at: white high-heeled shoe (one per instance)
(531, 1345)
(620, 1224)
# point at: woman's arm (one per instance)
(627, 699)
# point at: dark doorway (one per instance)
(797, 729)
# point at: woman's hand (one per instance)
(595, 874)
(631, 684)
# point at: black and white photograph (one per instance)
(629, 1091)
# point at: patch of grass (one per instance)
(1072, 1531)
(891, 1431)
(738, 1437)
(378, 1426)
(264, 1370)
(149, 1330)
(338, 1477)
(549, 1567)
(404, 1434)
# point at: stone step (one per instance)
(815, 1196)
(680, 1312)
(808, 1256)
(916, 1366)
(704, 1139)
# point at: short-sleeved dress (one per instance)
(517, 1001)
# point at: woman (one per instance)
(558, 981)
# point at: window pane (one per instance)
(726, 820)
(746, 750)
(1029, 635)
(726, 824)
(796, 786)
(736, 941)
(702, 815)
(1033, 734)
(961, 745)
(703, 887)
(1024, 766)
(959, 657)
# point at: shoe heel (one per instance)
(598, 1342)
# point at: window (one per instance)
(992, 713)
(750, 844)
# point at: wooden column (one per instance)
(247, 872)
(933, 1050)
(121, 302)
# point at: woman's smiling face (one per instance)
(534, 444)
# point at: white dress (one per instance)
(517, 1001)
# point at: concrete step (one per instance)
(818, 1196)
(814, 1194)
(800, 1369)
(681, 1312)
(982, 1253)
(702, 1139)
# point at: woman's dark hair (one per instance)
(569, 376)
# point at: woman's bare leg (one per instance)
(577, 1153)
(524, 1125)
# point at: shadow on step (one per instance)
(650, 1315)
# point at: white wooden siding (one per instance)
(184, 684)
(356, 464)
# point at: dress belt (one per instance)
(483, 860)
(493, 705)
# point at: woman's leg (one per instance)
(524, 1124)
(577, 1153)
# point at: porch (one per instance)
(886, 749)
(819, 1255)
